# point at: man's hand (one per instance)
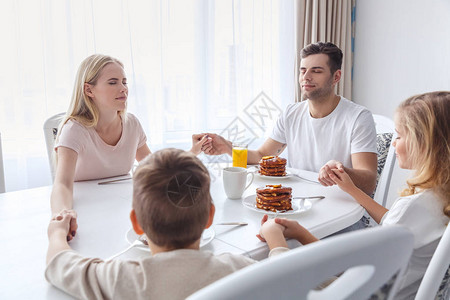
(326, 172)
(214, 145)
(343, 180)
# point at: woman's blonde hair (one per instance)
(82, 108)
(425, 120)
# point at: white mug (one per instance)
(235, 181)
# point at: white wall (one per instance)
(402, 48)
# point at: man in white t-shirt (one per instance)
(324, 132)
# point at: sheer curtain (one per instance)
(192, 66)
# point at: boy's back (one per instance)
(168, 275)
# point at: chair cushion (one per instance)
(383, 144)
(444, 289)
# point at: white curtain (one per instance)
(192, 66)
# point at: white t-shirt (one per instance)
(168, 275)
(423, 214)
(96, 159)
(311, 142)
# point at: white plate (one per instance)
(250, 203)
(288, 175)
(207, 236)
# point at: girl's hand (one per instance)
(342, 179)
(271, 228)
(292, 228)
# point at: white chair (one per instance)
(2, 173)
(50, 132)
(438, 267)
(385, 128)
(294, 275)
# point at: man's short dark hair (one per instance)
(331, 50)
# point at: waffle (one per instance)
(272, 166)
(274, 198)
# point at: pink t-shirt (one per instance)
(96, 159)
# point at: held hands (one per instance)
(290, 229)
(63, 225)
(198, 142)
(342, 179)
(214, 145)
(326, 172)
(269, 228)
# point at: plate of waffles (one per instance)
(272, 167)
(302, 206)
(255, 170)
(288, 175)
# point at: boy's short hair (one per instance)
(171, 197)
(331, 50)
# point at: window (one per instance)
(192, 66)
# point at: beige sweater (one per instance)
(169, 275)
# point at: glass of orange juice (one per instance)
(240, 151)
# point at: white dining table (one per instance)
(103, 219)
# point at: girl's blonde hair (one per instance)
(82, 108)
(425, 120)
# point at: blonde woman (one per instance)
(97, 138)
(422, 144)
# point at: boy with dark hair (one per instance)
(172, 206)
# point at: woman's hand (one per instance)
(198, 142)
(215, 144)
(60, 232)
(63, 224)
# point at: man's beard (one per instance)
(321, 92)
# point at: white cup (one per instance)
(235, 181)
